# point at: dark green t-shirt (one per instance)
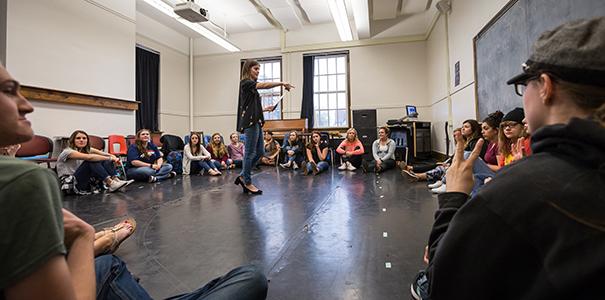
(31, 220)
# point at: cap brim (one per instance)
(519, 78)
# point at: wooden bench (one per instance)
(281, 127)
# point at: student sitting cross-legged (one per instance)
(85, 164)
(293, 151)
(383, 151)
(146, 162)
(218, 152)
(196, 159)
(317, 154)
(236, 150)
(351, 151)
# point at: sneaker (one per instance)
(172, 174)
(350, 167)
(420, 286)
(152, 179)
(128, 182)
(294, 165)
(284, 165)
(116, 185)
(437, 184)
(343, 166)
(439, 190)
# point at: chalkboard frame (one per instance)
(481, 33)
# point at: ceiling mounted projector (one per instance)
(191, 12)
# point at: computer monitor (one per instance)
(411, 111)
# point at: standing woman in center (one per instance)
(250, 120)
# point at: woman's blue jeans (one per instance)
(321, 166)
(114, 282)
(254, 149)
(93, 169)
(143, 173)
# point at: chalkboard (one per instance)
(505, 43)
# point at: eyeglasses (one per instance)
(521, 86)
(507, 124)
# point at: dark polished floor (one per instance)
(317, 237)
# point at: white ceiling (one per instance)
(241, 16)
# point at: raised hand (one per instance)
(460, 173)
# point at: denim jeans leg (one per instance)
(245, 282)
(163, 172)
(322, 166)
(140, 173)
(114, 281)
(250, 151)
(110, 167)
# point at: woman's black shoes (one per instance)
(246, 190)
(238, 180)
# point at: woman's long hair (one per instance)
(311, 144)
(352, 130)
(142, 148)
(195, 148)
(72, 141)
(476, 128)
(248, 65)
(493, 120)
(218, 149)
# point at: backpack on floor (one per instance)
(175, 158)
(68, 186)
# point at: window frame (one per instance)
(347, 74)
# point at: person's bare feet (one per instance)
(108, 240)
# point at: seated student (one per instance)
(532, 232)
(512, 139)
(317, 154)
(236, 150)
(47, 251)
(196, 159)
(351, 151)
(86, 164)
(146, 162)
(383, 151)
(218, 152)
(271, 150)
(434, 175)
(293, 151)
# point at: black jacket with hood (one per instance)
(537, 231)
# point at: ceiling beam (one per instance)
(361, 13)
(263, 10)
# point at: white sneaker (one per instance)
(128, 182)
(439, 190)
(284, 165)
(437, 184)
(116, 185)
(343, 166)
(350, 166)
(294, 165)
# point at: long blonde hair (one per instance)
(220, 149)
(354, 131)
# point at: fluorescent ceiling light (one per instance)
(207, 33)
(341, 19)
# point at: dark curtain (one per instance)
(147, 82)
(306, 110)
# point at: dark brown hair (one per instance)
(198, 146)
(247, 67)
(72, 141)
(142, 149)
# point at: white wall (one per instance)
(463, 23)
(78, 46)
(382, 77)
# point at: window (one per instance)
(270, 70)
(330, 91)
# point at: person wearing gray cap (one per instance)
(537, 231)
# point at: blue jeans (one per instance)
(253, 150)
(93, 169)
(114, 281)
(321, 166)
(480, 172)
(197, 166)
(143, 173)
